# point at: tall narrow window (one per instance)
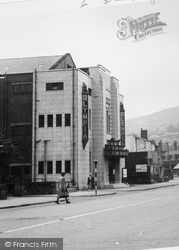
(58, 167)
(90, 162)
(90, 92)
(41, 121)
(41, 167)
(49, 167)
(67, 120)
(59, 120)
(22, 89)
(50, 120)
(89, 118)
(67, 166)
(108, 118)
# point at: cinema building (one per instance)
(62, 118)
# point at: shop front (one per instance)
(115, 154)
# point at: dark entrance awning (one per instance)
(113, 149)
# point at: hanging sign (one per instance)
(84, 115)
(141, 168)
(122, 123)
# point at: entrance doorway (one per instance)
(111, 166)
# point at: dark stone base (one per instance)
(3, 192)
(139, 180)
(40, 188)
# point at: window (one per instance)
(41, 167)
(21, 129)
(67, 120)
(54, 86)
(90, 162)
(108, 117)
(28, 88)
(67, 166)
(27, 170)
(163, 157)
(41, 121)
(58, 167)
(89, 118)
(107, 122)
(90, 92)
(22, 88)
(176, 156)
(49, 167)
(50, 120)
(59, 120)
(16, 89)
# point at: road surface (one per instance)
(129, 220)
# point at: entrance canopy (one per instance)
(113, 149)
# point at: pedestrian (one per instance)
(62, 189)
(90, 182)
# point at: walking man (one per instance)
(90, 182)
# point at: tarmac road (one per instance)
(130, 221)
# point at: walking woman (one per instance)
(62, 189)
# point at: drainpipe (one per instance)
(45, 160)
(5, 117)
(35, 123)
(2, 169)
(5, 108)
(73, 125)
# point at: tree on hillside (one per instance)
(172, 128)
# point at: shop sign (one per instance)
(122, 123)
(141, 168)
(124, 172)
(84, 115)
(115, 151)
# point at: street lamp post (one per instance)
(95, 178)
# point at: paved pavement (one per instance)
(12, 202)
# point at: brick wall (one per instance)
(18, 111)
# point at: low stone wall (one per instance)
(34, 188)
(3, 191)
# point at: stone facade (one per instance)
(62, 116)
(137, 144)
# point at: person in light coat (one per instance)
(62, 189)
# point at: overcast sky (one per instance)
(148, 70)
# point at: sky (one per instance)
(147, 69)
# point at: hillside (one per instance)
(158, 124)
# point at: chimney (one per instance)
(175, 145)
(143, 134)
